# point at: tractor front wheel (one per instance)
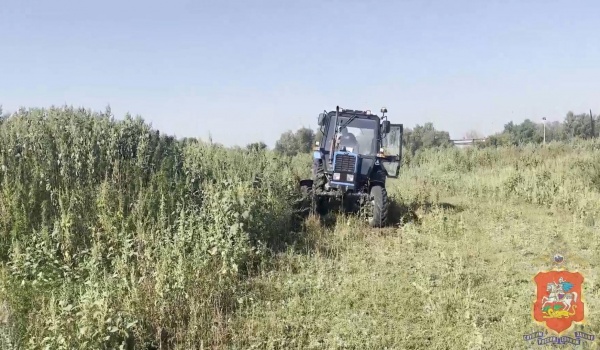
(379, 206)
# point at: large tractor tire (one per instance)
(319, 174)
(319, 180)
(379, 206)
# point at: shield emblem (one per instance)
(559, 299)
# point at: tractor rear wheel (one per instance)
(319, 177)
(379, 206)
(319, 180)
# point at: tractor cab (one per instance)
(365, 137)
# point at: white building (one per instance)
(467, 143)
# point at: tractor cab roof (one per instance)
(351, 112)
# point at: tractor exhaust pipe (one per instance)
(333, 145)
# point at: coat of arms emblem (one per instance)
(559, 300)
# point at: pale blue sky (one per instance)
(250, 70)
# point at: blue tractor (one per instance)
(356, 153)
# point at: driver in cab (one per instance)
(348, 140)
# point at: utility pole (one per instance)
(592, 121)
(544, 119)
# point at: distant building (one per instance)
(467, 142)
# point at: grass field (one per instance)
(456, 275)
(114, 235)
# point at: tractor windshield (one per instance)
(361, 132)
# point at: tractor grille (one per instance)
(344, 163)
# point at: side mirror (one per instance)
(386, 126)
(322, 119)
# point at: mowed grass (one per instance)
(458, 274)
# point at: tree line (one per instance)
(574, 126)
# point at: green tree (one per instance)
(555, 131)
(499, 139)
(256, 146)
(526, 132)
(3, 117)
(425, 136)
(580, 125)
(292, 143)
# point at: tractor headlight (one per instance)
(336, 176)
(350, 177)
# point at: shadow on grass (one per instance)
(404, 213)
(399, 214)
(309, 233)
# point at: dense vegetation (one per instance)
(111, 231)
(113, 234)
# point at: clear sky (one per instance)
(249, 70)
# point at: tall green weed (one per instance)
(115, 235)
